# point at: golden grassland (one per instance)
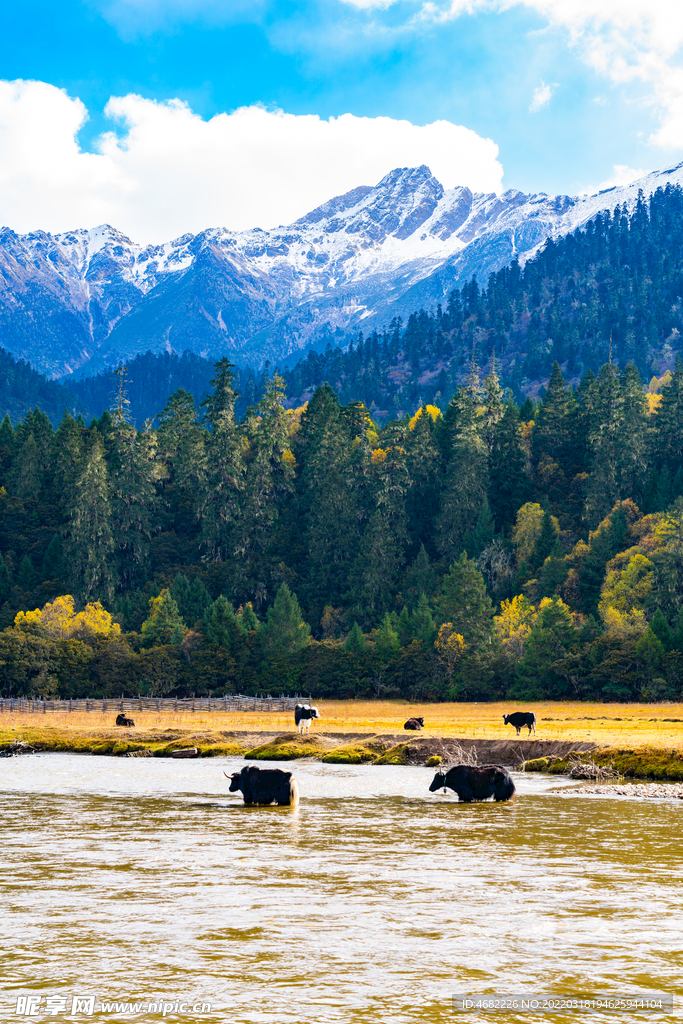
(607, 725)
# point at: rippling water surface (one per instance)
(373, 901)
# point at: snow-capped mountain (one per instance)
(90, 298)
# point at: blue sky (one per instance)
(566, 94)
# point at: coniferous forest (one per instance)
(479, 545)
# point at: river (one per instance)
(373, 902)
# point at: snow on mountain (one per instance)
(89, 298)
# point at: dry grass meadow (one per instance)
(613, 725)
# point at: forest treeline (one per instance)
(493, 549)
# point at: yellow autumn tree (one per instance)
(627, 588)
(430, 410)
(514, 624)
(450, 646)
(59, 620)
(527, 529)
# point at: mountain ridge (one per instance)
(87, 299)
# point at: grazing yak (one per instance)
(303, 715)
(122, 720)
(521, 718)
(415, 724)
(265, 786)
(480, 783)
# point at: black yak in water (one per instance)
(481, 783)
(265, 786)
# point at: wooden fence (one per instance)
(227, 704)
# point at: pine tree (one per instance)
(219, 502)
(182, 449)
(192, 598)
(26, 576)
(464, 603)
(54, 569)
(387, 643)
(221, 626)
(605, 442)
(7, 446)
(26, 478)
(89, 540)
(420, 578)
(69, 451)
(667, 439)
(424, 465)
(545, 543)
(510, 485)
(483, 532)
(133, 499)
(382, 551)
(355, 641)
(466, 476)
(5, 581)
(539, 671)
(164, 625)
(248, 619)
(422, 623)
(632, 453)
(328, 501)
(494, 407)
(284, 634)
(268, 484)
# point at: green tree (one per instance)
(539, 672)
(5, 581)
(466, 476)
(667, 437)
(133, 500)
(219, 502)
(268, 484)
(89, 539)
(284, 634)
(164, 625)
(221, 626)
(191, 596)
(355, 642)
(509, 486)
(420, 578)
(464, 603)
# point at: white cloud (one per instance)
(629, 42)
(542, 96)
(621, 175)
(170, 171)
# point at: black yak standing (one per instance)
(482, 783)
(265, 786)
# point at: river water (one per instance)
(373, 902)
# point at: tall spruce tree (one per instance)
(268, 484)
(466, 475)
(509, 486)
(89, 538)
(219, 499)
(605, 444)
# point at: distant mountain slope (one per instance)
(611, 290)
(85, 300)
(23, 388)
